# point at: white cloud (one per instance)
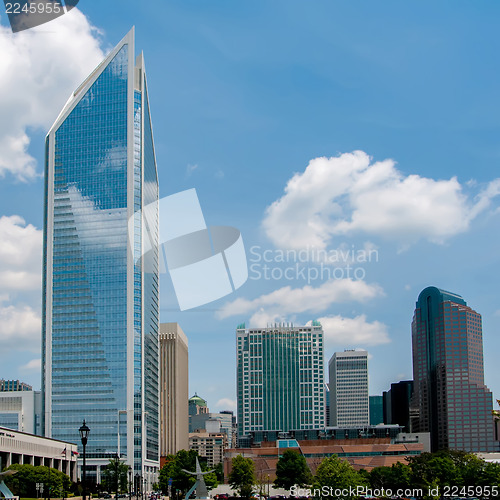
(190, 169)
(286, 301)
(20, 328)
(40, 68)
(34, 365)
(353, 332)
(226, 404)
(20, 271)
(348, 194)
(20, 255)
(264, 317)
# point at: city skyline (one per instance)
(266, 128)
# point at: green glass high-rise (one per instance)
(100, 293)
(280, 378)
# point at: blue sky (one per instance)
(260, 106)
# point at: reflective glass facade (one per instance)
(9, 420)
(280, 379)
(100, 309)
(453, 402)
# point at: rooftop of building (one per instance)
(197, 400)
(360, 453)
(14, 385)
(441, 295)
(284, 327)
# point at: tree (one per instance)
(242, 476)
(446, 467)
(395, 477)
(496, 413)
(219, 472)
(114, 475)
(429, 471)
(23, 483)
(292, 469)
(337, 474)
(181, 480)
(490, 476)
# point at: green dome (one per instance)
(197, 400)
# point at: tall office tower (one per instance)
(376, 405)
(100, 269)
(348, 374)
(174, 391)
(454, 403)
(233, 438)
(327, 404)
(397, 403)
(280, 379)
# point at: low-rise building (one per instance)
(362, 453)
(23, 448)
(210, 445)
(204, 422)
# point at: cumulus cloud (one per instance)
(353, 332)
(40, 68)
(226, 404)
(34, 365)
(349, 195)
(20, 271)
(20, 328)
(20, 255)
(286, 301)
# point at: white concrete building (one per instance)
(349, 402)
(21, 411)
(23, 448)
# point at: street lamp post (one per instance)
(129, 483)
(137, 485)
(84, 433)
(117, 466)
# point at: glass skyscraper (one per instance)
(100, 269)
(453, 402)
(280, 379)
